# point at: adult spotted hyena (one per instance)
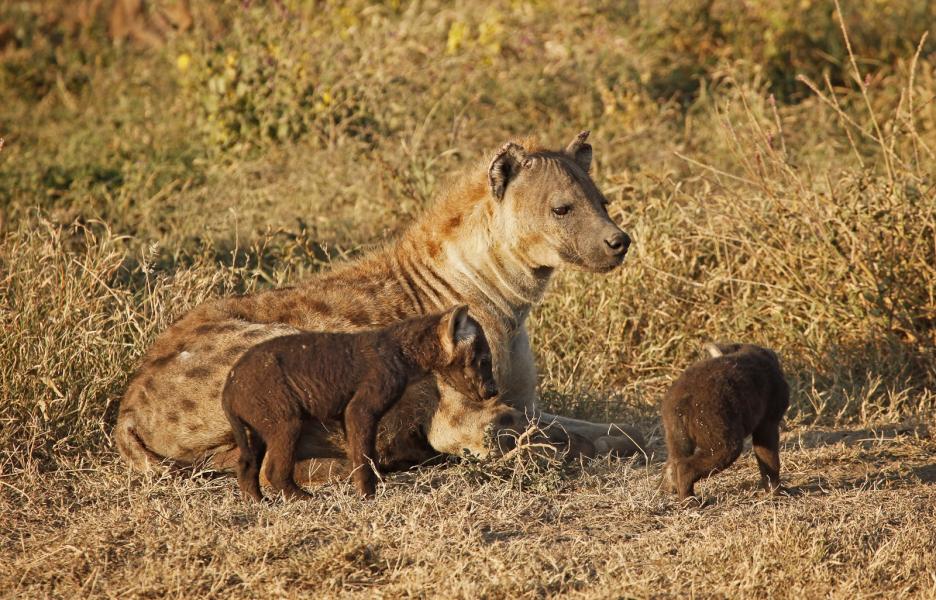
(491, 241)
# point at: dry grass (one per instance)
(860, 522)
(798, 216)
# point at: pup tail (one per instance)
(238, 428)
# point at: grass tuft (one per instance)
(772, 161)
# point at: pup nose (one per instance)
(489, 391)
(618, 243)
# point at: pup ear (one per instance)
(456, 327)
(504, 168)
(580, 152)
(713, 350)
(466, 328)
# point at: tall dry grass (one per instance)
(796, 213)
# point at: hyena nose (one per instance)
(618, 243)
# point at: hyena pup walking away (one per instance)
(714, 405)
(358, 376)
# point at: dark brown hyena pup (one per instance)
(356, 377)
(714, 405)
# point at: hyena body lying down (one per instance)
(492, 241)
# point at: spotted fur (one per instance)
(492, 241)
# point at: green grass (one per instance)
(772, 196)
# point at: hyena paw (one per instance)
(619, 445)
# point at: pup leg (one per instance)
(282, 450)
(679, 447)
(669, 480)
(248, 471)
(361, 417)
(250, 455)
(362, 430)
(766, 440)
(702, 463)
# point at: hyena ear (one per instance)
(580, 152)
(456, 328)
(504, 167)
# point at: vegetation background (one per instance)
(773, 161)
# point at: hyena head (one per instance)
(551, 208)
(467, 355)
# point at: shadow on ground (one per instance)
(864, 438)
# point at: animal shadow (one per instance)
(865, 437)
(886, 457)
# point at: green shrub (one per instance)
(268, 82)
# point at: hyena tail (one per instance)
(713, 350)
(133, 449)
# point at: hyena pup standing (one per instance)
(714, 405)
(281, 382)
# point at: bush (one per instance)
(265, 83)
(696, 41)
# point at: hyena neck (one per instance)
(456, 256)
(490, 270)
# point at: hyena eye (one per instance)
(561, 211)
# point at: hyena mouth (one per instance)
(611, 265)
(603, 264)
